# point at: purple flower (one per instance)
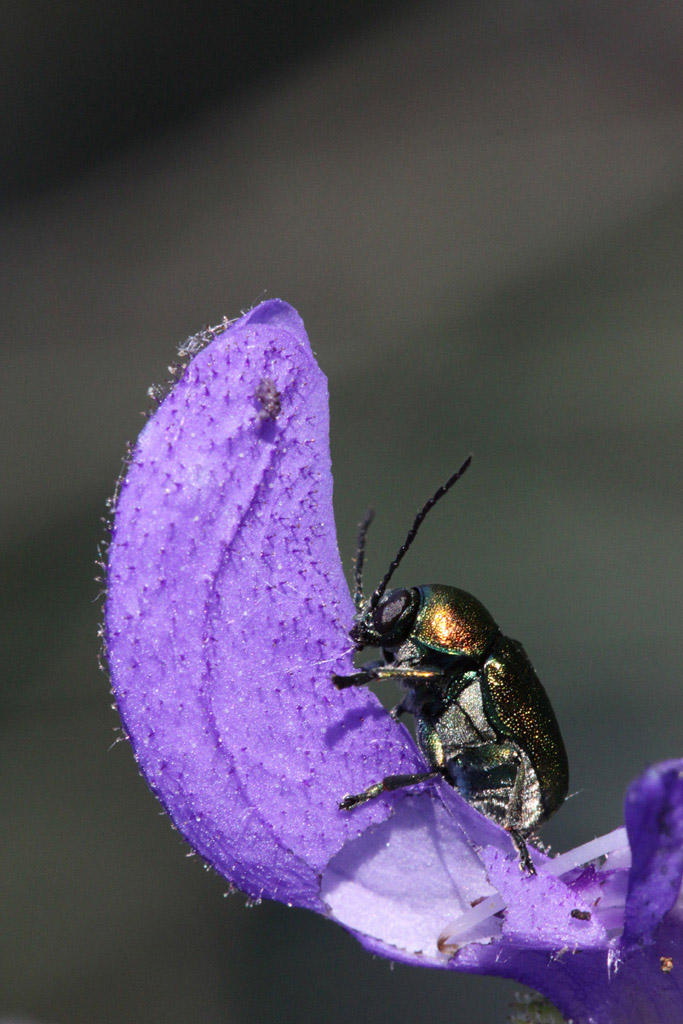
(226, 616)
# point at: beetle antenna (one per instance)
(360, 556)
(412, 532)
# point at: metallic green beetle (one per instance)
(483, 719)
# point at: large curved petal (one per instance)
(227, 611)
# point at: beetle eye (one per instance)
(390, 609)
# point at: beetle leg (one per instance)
(378, 670)
(398, 710)
(387, 785)
(360, 678)
(516, 835)
(406, 672)
(525, 862)
(491, 776)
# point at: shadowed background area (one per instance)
(477, 208)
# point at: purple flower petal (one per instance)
(654, 819)
(592, 987)
(637, 977)
(226, 615)
(541, 910)
(228, 611)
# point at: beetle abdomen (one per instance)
(518, 708)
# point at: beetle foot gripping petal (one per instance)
(525, 862)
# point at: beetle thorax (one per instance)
(452, 621)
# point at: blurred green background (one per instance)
(477, 208)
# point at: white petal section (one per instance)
(404, 879)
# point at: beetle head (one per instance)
(388, 623)
(385, 619)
